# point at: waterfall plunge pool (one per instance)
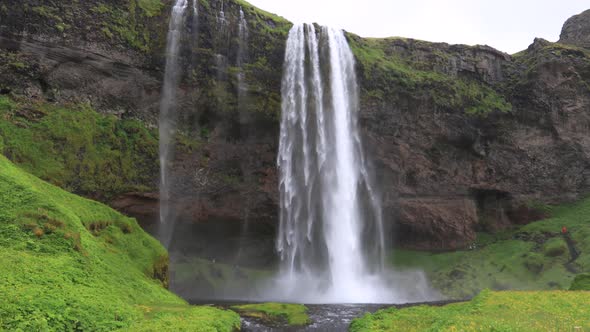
(324, 317)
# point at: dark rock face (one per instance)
(462, 138)
(576, 30)
(501, 162)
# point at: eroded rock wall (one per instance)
(463, 138)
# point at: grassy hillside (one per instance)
(532, 257)
(68, 263)
(489, 311)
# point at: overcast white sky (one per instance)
(508, 25)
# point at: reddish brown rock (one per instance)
(436, 223)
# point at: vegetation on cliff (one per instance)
(387, 73)
(489, 311)
(68, 263)
(125, 23)
(78, 149)
(535, 256)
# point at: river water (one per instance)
(324, 317)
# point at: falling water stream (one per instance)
(241, 57)
(168, 118)
(331, 233)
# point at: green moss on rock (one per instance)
(582, 282)
(275, 313)
(387, 74)
(79, 149)
(151, 8)
(554, 247)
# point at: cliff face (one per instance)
(576, 30)
(463, 138)
(468, 138)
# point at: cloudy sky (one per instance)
(508, 25)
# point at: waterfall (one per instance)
(167, 121)
(242, 52)
(330, 237)
(195, 22)
(242, 93)
(221, 15)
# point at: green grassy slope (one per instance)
(68, 263)
(489, 311)
(532, 257)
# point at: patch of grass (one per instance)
(175, 318)
(489, 311)
(526, 258)
(582, 282)
(57, 276)
(79, 149)
(275, 313)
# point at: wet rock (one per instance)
(436, 223)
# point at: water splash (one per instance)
(168, 118)
(331, 237)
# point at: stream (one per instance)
(324, 317)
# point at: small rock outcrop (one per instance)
(576, 30)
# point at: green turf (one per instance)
(68, 263)
(276, 313)
(489, 311)
(532, 257)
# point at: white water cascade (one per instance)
(168, 118)
(242, 53)
(331, 234)
(195, 23)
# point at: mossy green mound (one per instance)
(276, 313)
(489, 311)
(78, 149)
(582, 282)
(179, 318)
(533, 257)
(68, 263)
